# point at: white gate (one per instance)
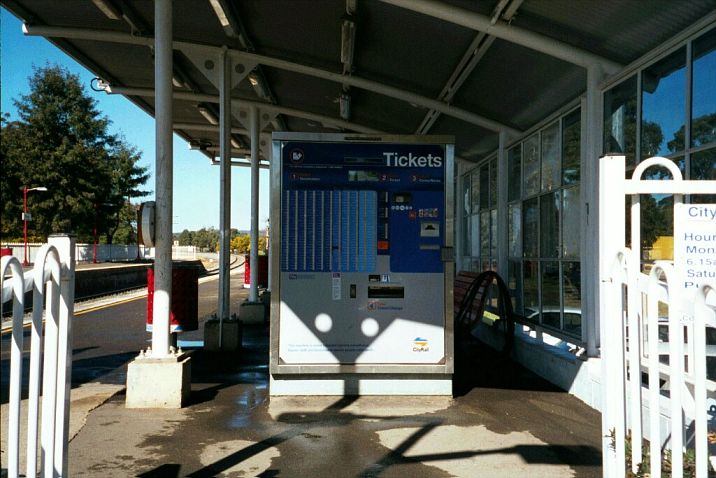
(52, 282)
(669, 408)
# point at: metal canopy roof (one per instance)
(418, 66)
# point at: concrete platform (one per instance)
(503, 421)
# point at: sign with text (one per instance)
(695, 245)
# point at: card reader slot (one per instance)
(386, 292)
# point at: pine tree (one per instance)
(61, 141)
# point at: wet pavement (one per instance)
(502, 421)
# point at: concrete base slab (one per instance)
(231, 335)
(282, 385)
(158, 383)
(252, 312)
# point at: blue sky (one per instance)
(196, 182)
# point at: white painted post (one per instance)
(652, 320)
(66, 248)
(38, 298)
(591, 193)
(224, 189)
(635, 336)
(164, 177)
(254, 239)
(18, 295)
(611, 236)
(700, 417)
(49, 374)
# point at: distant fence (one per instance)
(86, 252)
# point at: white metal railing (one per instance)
(52, 283)
(670, 409)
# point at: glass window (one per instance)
(572, 297)
(663, 106)
(493, 183)
(466, 237)
(485, 233)
(550, 294)
(475, 233)
(620, 119)
(514, 173)
(703, 109)
(531, 166)
(550, 158)
(514, 283)
(657, 227)
(549, 224)
(493, 233)
(571, 147)
(571, 218)
(530, 286)
(475, 190)
(466, 194)
(485, 186)
(514, 229)
(703, 166)
(530, 228)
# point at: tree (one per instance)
(126, 228)
(61, 142)
(127, 179)
(241, 243)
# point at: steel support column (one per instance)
(224, 190)
(164, 173)
(592, 150)
(503, 220)
(254, 256)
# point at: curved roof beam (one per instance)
(204, 98)
(374, 86)
(506, 31)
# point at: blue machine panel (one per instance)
(344, 204)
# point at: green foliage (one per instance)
(61, 142)
(205, 239)
(643, 469)
(241, 244)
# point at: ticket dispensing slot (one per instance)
(385, 292)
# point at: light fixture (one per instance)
(109, 9)
(208, 114)
(258, 84)
(348, 37)
(235, 143)
(199, 145)
(220, 13)
(345, 106)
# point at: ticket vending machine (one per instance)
(362, 264)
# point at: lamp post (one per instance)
(26, 217)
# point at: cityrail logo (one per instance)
(412, 161)
(296, 156)
(420, 345)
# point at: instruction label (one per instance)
(695, 245)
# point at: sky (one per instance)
(196, 181)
